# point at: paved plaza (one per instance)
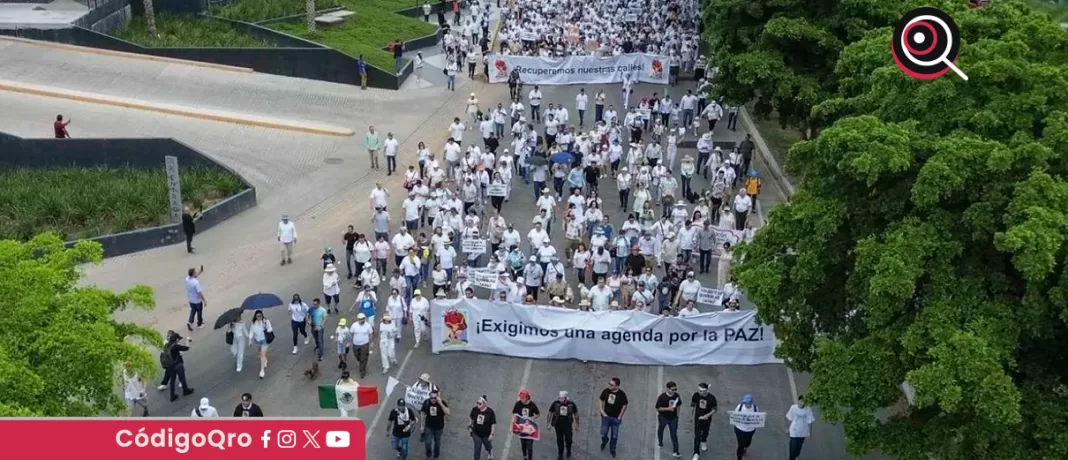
(323, 182)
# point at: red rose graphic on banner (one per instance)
(656, 69)
(502, 68)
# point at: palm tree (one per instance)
(309, 14)
(150, 17)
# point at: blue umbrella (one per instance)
(260, 301)
(562, 157)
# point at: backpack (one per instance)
(165, 358)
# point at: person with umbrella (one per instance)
(262, 333)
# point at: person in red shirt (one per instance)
(60, 127)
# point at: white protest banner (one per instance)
(748, 419)
(416, 395)
(622, 337)
(483, 278)
(528, 36)
(497, 190)
(727, 236)
(630, 17)
(535, 70)
(710, 296)
(473, 245)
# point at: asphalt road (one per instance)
(464, 377)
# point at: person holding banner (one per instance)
(744, 431)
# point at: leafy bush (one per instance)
(364, 33)
(262, 10)
(86, 202)
(180, 31)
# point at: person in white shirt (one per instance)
(456, 131)
(287, 235)
(472, 111)
(800, 417)
(601, 296)
(298, 315)
(133, 388)
(379, 197)
(598, 101)
(401, 243)
(388, 335)
(743, 203)
(689, 310)
(534, 98)
(537, 237)
(391, 147)
(412, 211)
(343, 339)
(450, 71)
(744, 432)
(688, 289)
(361, 332)
(580, 106)
(420, 308)
(411, 267)
(206, 411)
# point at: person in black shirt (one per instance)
(564, 418)
(247, 408)
(189, 227)
(613, 407)
(635, 262)
(434, 412)
(350, 237)
(399, 428)
(483, 425)
(667, 415)
(328, 257)
(704, 407)
(174, 373)
(525, 408)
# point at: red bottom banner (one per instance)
(160, 438)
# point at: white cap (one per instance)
(204, 403)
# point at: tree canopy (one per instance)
(781, 54)
(60, 347)
(927, 244)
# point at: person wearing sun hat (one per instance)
(332, 288)
(388, 333)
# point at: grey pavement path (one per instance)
(240, 258)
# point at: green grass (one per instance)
(365, 33)
(83, 203)
(1059, 10)
(180, 31)
(262, 10)
(374, 25)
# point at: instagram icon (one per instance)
(287, 439)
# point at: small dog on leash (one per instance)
(313, 372)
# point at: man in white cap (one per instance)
(287, 235)
(564, 418)
(204, 409)
(387, 342)
(361, 332)
(420, 308)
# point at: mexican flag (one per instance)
(348, 396)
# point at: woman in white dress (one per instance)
(397, 308)
(332, 288)
(640, 197)
(262, 334)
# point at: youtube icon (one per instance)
(337, 439)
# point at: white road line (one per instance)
(793, 384)
(658, 384)
(522, 385)
(384, 403)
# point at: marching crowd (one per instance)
(559, 28)
(645, 255)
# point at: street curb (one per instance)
(765, 152)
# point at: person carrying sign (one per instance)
(704, 407)
(564, 418)
(744, 432)
(526, 409)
